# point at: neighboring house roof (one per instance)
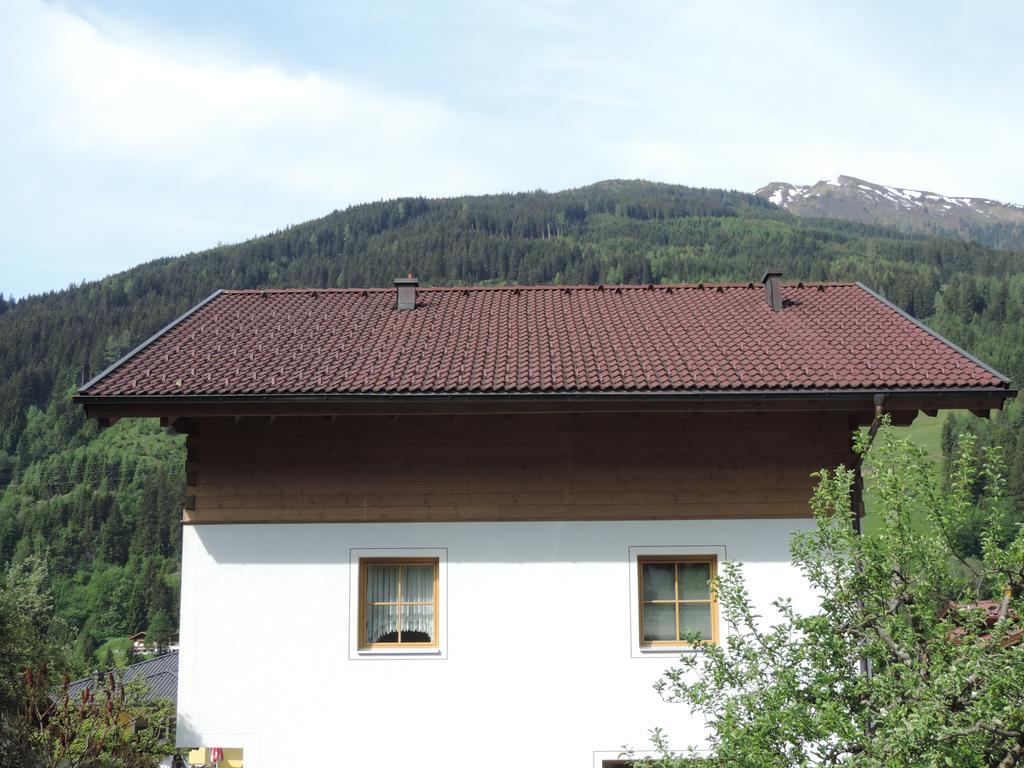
(160, 675)
(541, 340)
(990, 610)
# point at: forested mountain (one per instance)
(104, 506)
(1000, 225)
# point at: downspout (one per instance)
(857, 495)
(857, 500)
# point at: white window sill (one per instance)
(667, 650)
(398, 652)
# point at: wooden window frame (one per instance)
(364, 562)
(641, 561)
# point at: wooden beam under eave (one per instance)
(902, 418)
(427, 515)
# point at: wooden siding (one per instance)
(509, 467)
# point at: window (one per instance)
(398, 603)
(676, 599)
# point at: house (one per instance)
(991, 612)
(160, 675)
(139, 645)
(498, 509)
(138, 641)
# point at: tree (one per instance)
(107, 725)
(136, 609)
(113, 544)
(86, 645)
(26, 627)
(914, 656)
(159, 632)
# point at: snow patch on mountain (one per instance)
(847, 191)
(847, 197)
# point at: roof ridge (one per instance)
(545, 287)
(119, 670)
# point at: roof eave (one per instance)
(896, 399)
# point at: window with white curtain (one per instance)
(398, 602)
(676, 600)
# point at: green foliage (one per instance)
(30, 635)
(945, 683)
(109, 726)
(1005, 431)
(159, 632)
(102, 508)
(40, 725)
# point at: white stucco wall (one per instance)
(539, 659)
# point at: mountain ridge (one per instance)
(991, 222)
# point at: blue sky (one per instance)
(134, 130)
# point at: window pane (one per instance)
(659, 622)
(381, 624)
(693, 581)
(659, 581)
(381, 583)
(695, 618)
(417, 624)
(418, 584)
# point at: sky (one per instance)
(135, 130)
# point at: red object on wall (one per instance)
(216, 755)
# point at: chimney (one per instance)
(406, 289)
(773, 288)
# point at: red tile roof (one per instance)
(544, 339)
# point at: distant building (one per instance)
(159, 674)
(139, 644)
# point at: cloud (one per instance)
(737, 94)
(125, 96)
(125, 141)
(121, 145)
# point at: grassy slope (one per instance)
(926, 431)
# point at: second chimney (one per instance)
(406, 289)
(773, 288)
